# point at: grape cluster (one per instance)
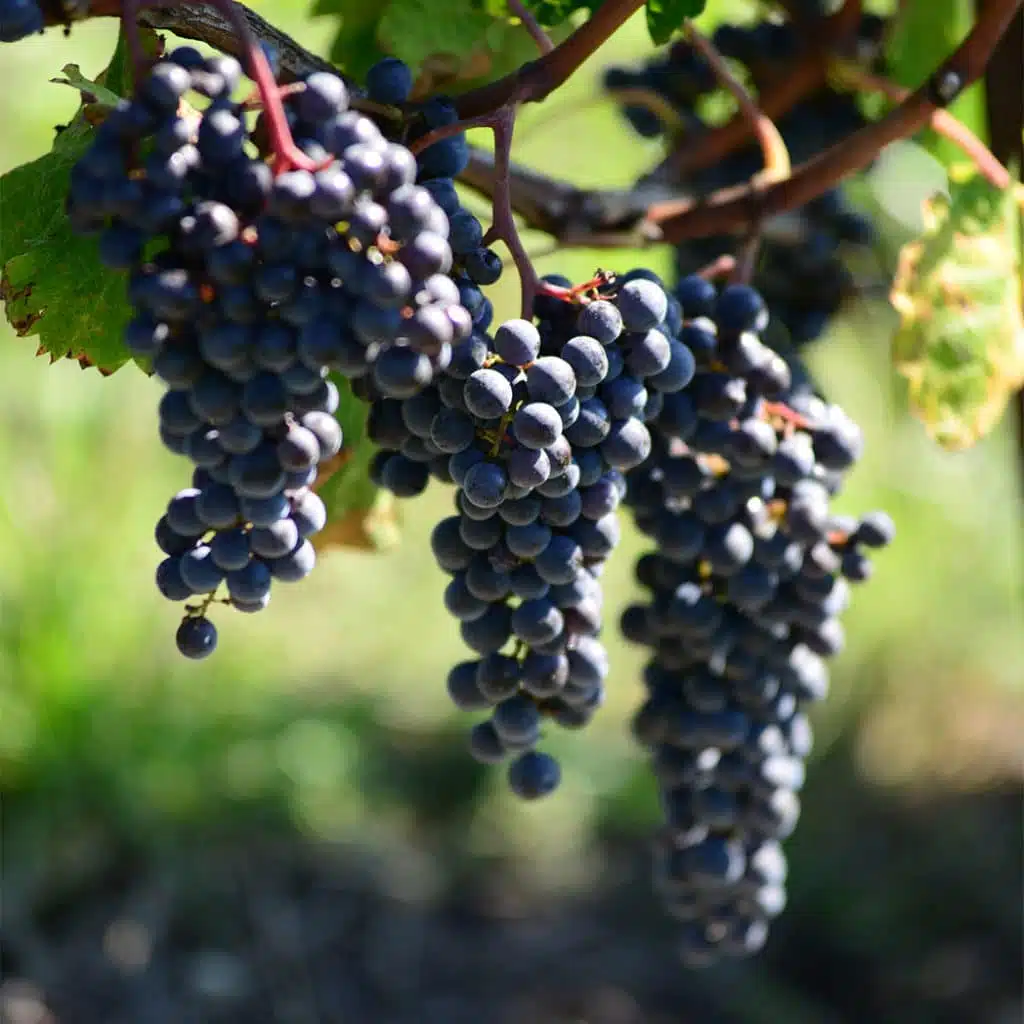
(536, 426)
(19, 18)
(801, 273)
(750, 575)
(248, 287)
(474, 264)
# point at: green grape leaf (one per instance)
(665, 17)
(958, 291)
(92, 92)
(416, 30)
(51, 282)
(359, 514)
(354, 48)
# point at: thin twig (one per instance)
(769, 138)
(942, 121)
(503, 223)
(721, 266)
(446, 131)
(650, 99)
(746, 262)
(518, 9)
(708, 149)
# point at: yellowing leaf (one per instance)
(959, 291)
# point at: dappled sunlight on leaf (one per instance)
(958, 291)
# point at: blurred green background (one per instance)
(323, 725)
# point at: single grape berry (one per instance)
(534, 775)
(196, 637)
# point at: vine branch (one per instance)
(943, 122)
(653, 211)
(809, 74)
(740, 208)
(539, 78)
(205, 24)
(762, 127)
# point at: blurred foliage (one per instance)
(959, 291)
(327, 715)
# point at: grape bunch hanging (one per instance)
(248, 288)
(254, 276)
(749, 575)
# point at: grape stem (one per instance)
(722, 266)
(649, 99)
(519, 10)
(698, 152)
(287, 156)
(848, 75)
(746, 261)
(762, 127)
(503, 222)
(133, 40)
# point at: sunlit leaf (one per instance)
(958, 291)
(52, 283)
(665, 17)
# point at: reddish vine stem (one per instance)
(739, 208)
(503, 222)
(286, 154)
(942, 121)
(762, 127)
(530, 23)
(781, 411)
(693, 154)
(720, 267)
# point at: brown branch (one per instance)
(204, 24)
(942, 121)
(651, 212)
(536, 80)
(740, 208)
(503, 222)
(762, 127)
(591, 218)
